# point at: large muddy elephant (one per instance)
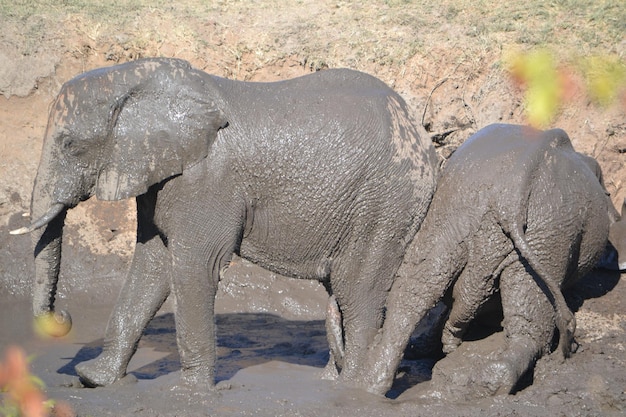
(517, 211)
(321, 177)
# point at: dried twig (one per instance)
(439, 83)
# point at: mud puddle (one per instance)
(272, 349)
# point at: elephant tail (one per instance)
(549, 142)
(565, 320)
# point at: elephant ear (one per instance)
(156, 134)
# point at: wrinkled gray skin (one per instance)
(321, 177)
(517, 210)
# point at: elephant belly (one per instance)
(293, 262)
(293, 247)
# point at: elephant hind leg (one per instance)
(474, 287)
(529, 324)
(471, 291)
(359, 307)
(467, 300)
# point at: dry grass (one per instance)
(317, 33)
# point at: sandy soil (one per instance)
(271, 334)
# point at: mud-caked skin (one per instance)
(321, 177)
(516, 210)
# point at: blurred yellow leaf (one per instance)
(546, 83)
(536, 72)
(52, 325)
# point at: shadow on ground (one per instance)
(243, 340)
(250, 339)
(596, 284)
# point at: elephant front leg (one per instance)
(145, 289)
(360, 284)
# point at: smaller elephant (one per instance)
(518, 211)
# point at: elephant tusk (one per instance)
(52, 212)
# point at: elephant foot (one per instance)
(483, 368)
(330, 372)
(199, 380)
(485, 378)
(497, 377)
(363, 382)
(375, 378)
(502, 373)
(98, 372)
(378, 386)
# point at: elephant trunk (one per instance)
(47, 234)
(47, 252)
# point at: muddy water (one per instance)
(272, 348)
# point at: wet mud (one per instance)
(272, 349)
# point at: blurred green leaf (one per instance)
(605, 77)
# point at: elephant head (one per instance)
(113, 133)
(615, 255)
